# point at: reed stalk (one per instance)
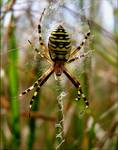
(13, 85)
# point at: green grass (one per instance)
(13, 88)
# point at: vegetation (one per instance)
(95, 128)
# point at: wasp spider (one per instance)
(57, 54)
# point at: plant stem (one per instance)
(13, 85)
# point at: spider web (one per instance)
(27, 57)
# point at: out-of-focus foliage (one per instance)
(97, 72)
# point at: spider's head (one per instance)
(59, 44)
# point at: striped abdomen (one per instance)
(59, 45)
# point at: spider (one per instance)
(58, 54)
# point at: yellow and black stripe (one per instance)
(59, 44)
(80, 94)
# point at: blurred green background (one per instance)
(94, 129)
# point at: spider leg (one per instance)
(78, 57)
(35, 49)
(41, 41)
(29, 89)
(39, 82)
(39, 53)
(42, 44)
(80, 46)
(33, 98)
(78, 86)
